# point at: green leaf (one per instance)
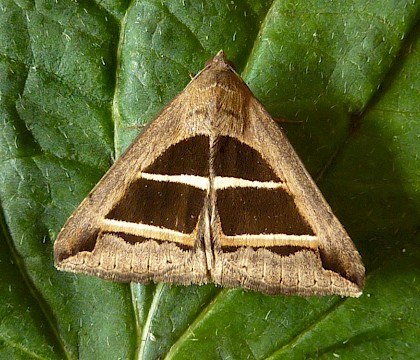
(76, 80)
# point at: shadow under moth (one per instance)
(212, 191)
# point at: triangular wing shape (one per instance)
(212, 191)
(134, 226)
(275, 231)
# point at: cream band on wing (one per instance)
(203, 183)
(144, 230)
(270, 240)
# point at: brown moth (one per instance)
(212, 191)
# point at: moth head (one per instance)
(220, 61)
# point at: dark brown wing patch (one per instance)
(260, 211)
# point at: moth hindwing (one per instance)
(212, 191)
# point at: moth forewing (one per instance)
(301, 228)
(212, 191)
(102, 239)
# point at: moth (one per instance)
(212, 191)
